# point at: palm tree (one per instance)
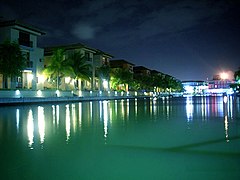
(58, 66)
(237, 74)
(121, 77)
(81, 68)
(236, 85)
(12, 61)
(103, 73)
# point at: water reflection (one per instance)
(55, 115)
(41, 124)
(80, 115)
(189, 108)
(226, 127)
(17, 120)
(105, 117)
(30, 128)
(68, 123)
(74, 116)
(69, 120)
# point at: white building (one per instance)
(195, 87)
(26, 36)
(93, 56)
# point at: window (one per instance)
(88, 56)
(24, 39)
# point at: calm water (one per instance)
(178, 138)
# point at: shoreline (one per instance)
(36, 100)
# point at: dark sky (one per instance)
(190, 40)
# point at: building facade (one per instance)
(195, 87)
(26, 36)
(141, 71)
(121, 64)
(96, 58)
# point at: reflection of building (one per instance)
(194, 87)
(26, 35)
(93, 56)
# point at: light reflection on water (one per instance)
(30, 128)
(101, 126)
(108, 112)
(41, 124)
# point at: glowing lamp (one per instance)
(105, 84)
(67, 80)
(223, 75)
(57, 93)
(30, 77)
(41, 78)
(17, 92)
(39, 93)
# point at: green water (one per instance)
(176, 138)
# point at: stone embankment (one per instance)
(33, 97)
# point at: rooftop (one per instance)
(75, 46)
(21, 24)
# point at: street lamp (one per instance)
(105, 84)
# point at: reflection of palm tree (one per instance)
(58, 66)
(80, 67)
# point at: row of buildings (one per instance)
(216, 86)
(37, 59)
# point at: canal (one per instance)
(170, 138)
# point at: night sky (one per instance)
(190, 40)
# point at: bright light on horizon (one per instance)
(224, 75)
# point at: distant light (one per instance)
(189, 89)
(224, 76)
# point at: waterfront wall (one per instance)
(11, 97)
(55, 93)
